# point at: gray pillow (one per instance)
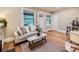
(23, 30)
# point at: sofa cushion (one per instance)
(19, 32)
(27, 29)
(74, 36)
(25, 36)
(23, 30)
(33, 29)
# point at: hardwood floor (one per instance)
(57, 38)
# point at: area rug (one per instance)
(46, 47)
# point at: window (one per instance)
(48, 19)
(28, 19)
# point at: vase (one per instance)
(38, 34)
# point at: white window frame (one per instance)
(22, 16)
(46, 19)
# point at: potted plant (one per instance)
(3, 25)
(38, 30)
(4, 22)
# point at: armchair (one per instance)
(73, 44)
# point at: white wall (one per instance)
(54, 22)
(42, 20)
(13, 17)
(63, 18)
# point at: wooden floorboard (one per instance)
(55, 37)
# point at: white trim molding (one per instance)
(63, 31)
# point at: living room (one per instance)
(53, 22)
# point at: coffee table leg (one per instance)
(31, 45)
(44, 38)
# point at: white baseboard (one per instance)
(47, 30)
(63, 31)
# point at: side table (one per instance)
(9, 45)
(0, 45)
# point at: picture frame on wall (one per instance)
(40, 15)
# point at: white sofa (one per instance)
(74, 36)
(23, 37)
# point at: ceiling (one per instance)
(53, 9)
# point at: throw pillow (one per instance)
(33, 29)
(23, 30)
(27, 29)
(19, 32)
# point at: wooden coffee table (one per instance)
(36, 40)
